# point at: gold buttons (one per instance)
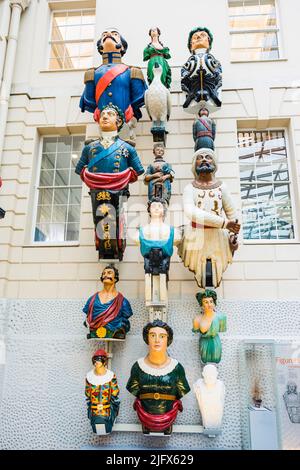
(109, 93)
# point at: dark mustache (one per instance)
(107, 277)
(109, 37)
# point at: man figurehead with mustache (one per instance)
(107, 311)
(113, 83)
(211, 234)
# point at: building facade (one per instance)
(47, 254)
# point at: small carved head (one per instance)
(111, 41)
(158, 332)
(200, 38)
(110, 274)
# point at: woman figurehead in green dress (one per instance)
(156, 53)
(209, 324)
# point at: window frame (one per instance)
(292, 185)
(276, 30)
(68, 41)
(32, 241)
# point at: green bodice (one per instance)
(144, 379)
(158, 56)
(210, 344)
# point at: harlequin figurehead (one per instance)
(157, 206)
(110, 118)
(100, 356)
(204, 161)
(158, 327)
(159, 150)
(200, 38)
(207, 299)
(110, 275)
(112, 41)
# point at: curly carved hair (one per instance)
(208, 293)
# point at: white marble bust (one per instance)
(210, 393)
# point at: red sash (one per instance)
(103, 83)
(109, 181)
(157, 422)
(107, 78)
(107, 316)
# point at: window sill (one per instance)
(63, 70)
(257, 61)
(270, 242)
(50, 244)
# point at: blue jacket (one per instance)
(115, 159)
(126, 89)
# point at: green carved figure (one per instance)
(156, 53)
(209, 324)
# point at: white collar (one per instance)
(157, 372)
(108, 134)
(95, 379)
(201, 50)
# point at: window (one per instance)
(59, 190)
(72, 36)
(265, 185)
(253, 29)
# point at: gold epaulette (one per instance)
(89, 75)
(136, 72)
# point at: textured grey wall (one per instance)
(47, 357)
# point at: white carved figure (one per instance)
(158, 100)
(210, 393)
(210, 236)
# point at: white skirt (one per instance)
(200, 244)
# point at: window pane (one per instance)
(266, 203)
(62, 178)
(64, 144)
(50, 144)
(75, 196)
(59, 214)
(73, 33)
(60, 196)
(74, 213)
(58, 209)
(70, 31)
(77, 143)
(48, 161)
(73, 18)
(252, 22)
(45, 196)
(63, 160)
(72, 232)
(43, 214)
(87, 32)
(75, 179)
(46, 178)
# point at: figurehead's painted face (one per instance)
(208, 303)
(158, 339)
(157, 210)
(204, 164)
(108, 120)
(108, 276)
(200, 39)
(159, 151)
(111, 41)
